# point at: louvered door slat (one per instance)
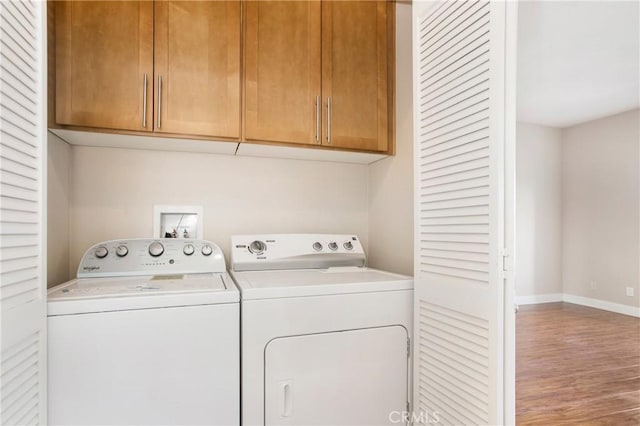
(7, 151)
(21, 135)
(470, 73)
(431, 139)
(16, 105)
(475, 182)
(20, 120)
(468, 403)
(18, 181)
(459, 124)
(17, 168)
(22, 149)
(474, 25)
(455, 143)
(462, 56)
(17, 252)
(23, 14)
(443, 19)
(450, 179)
(18, 241)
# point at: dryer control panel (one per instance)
(166, 256)
(295, 251)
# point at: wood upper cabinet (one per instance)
(355, 46)
(338, 51)
(104, 50)
(316, 72)
(197, 68)
(282, 71)
(188, 54)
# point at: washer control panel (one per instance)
(141, 256)
(295, 251)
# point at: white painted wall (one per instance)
(113, 191)
(58, 194)
(601, 208)
(391, 180)
(538, 211)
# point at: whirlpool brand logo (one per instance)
(90, 268)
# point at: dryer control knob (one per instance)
(101, 252)
(188, 249)
(156, 249)
(207, 250)
(317, 246)
(333, 246)
(348, 245)
(122, 250)
(257, 247)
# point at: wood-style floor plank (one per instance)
(576, 366)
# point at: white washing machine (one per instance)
(147, 334)
(325, 340)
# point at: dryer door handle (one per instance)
(286, 395)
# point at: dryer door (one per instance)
(355, 377)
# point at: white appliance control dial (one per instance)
(207, 250)
(122, 250)
(333, 246)
(257, 247)
(156, 249)
(188, 249)
(348, 245)
(317, 246)
(101, 252)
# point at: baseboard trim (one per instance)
(539, 298)
(602, 304)
(579, 300)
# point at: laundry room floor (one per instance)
(576, 365)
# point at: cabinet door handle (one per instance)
(287, 398)
(318, 119)
(329, 120)
(159, 101)
(144, 101)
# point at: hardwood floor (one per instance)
(576, 365)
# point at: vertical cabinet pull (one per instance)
(287, 398)
(159, 101)
(318, 119)
(329, 120)
(144, 101)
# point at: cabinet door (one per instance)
(104, 50)
(197, 68)
(356, 377)
(282, 71)
(354, 74)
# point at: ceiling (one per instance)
(577, 60)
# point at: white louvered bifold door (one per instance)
(459, 119)
(22, 237)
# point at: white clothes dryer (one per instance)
(147, 334)
(325, 340)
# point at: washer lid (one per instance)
(125, 293)
(315, 282)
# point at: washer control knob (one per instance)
(188, 249)
(257, 247)
(156, 249)
(317, 246)
(348, 245)
(122, 250)
(333, 246)
(101, 252)
(207, 250)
